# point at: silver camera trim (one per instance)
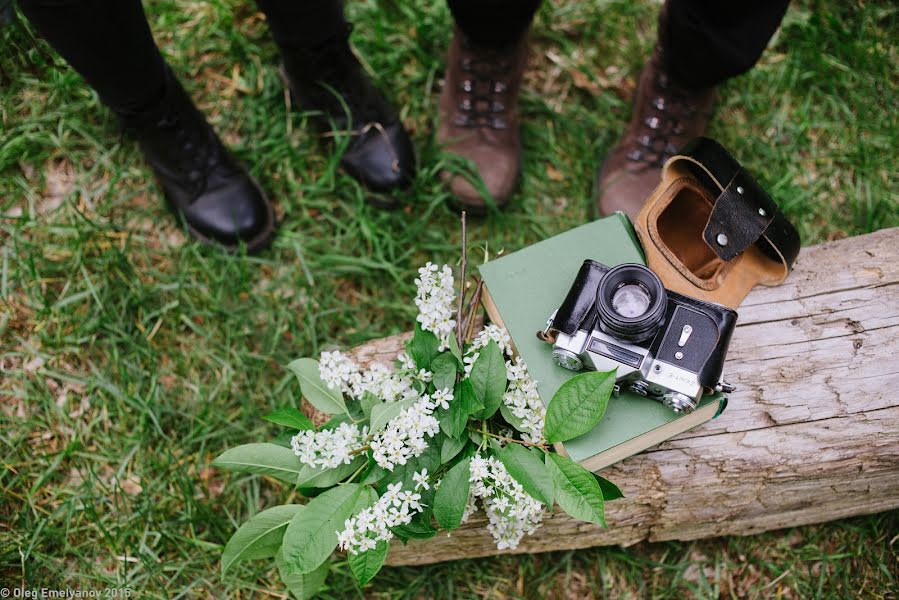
(677, 388)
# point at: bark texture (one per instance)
(811, 435)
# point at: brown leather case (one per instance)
(710, 231)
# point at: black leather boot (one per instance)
(329, 79)
(204, 184)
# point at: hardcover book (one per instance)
(521, 291)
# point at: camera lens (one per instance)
(631, 300)
(631, 303)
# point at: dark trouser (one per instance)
(706, 41)
(109, 41)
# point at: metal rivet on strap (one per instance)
(678, 355)
(721, 239)
(762, 212)
(739, 189)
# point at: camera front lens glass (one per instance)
(630, 303)
(631, 300)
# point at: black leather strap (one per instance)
(744, 214)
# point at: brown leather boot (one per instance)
(666, 116)
(479, 119)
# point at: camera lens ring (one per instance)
(641, 282)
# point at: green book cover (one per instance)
(523, 290)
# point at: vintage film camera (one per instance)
(664, 345)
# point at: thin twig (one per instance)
(508, 439)
(472, 310)
(459, 334)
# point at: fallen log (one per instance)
(811, 435)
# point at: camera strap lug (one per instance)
(725, 387)
(544, 335)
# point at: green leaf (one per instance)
(366, 565)
(383, 413)
(511, 419)
(367, 402)
(419, 529)
(450, 448)
(445, 369)
(578, 405)
(289, 417)
(263, 459)
(455, 351)
(259, 537)
(312, 534)
(577, 492)
(610, 491)
(465, 402)
(423, 347)
(313, 477)
(303, 587)
(452, 496)
(284, 438)
(528, 470)
(336, 421)
(488, 378)
(314, 389)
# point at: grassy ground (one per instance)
(130, 357)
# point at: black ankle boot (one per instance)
(202, 182)
(330, 80)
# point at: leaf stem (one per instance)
(359, 470)
(483, 431)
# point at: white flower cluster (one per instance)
(396, 507)
(328, 448)
(495, 333)
(338, 371)
(404, 436)
(524, 402)
(511, 512)
(434, 300)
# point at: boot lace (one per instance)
(663, 125)
(484, 87)
(196, 153)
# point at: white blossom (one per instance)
(338, 371)
(396, 507)
(495, 333)
(385, 384)
(441, 398)
(404, 436)
(328, 448)
(511, 512)
(406, 361)
(468, 362)
(421, 480)
(434, 300)
(524, 402)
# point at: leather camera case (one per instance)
(710, 231)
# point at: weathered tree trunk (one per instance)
(811, 435)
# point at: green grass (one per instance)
(129, 357)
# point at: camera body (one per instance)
(663, 345)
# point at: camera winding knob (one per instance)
(679, 403)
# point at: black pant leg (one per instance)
(708, 41)
(303, 23)
(109, 43)
(493, 22)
